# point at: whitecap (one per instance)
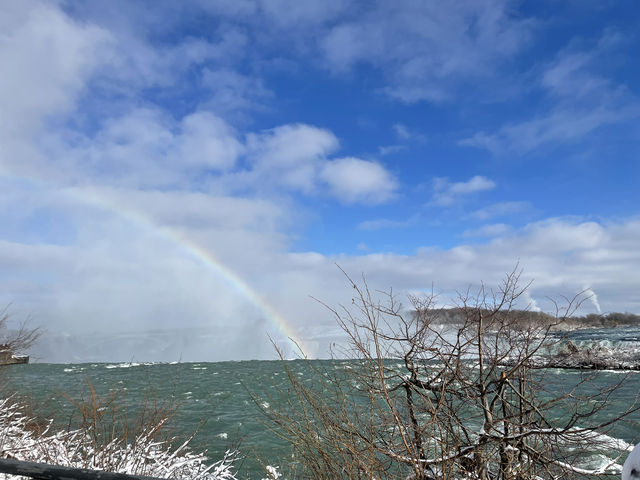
(125, 365)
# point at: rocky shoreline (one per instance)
(568, 353)
(594, 357)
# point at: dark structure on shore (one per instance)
(7, 356)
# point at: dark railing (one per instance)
(44, 471)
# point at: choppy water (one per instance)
(628, 337)
(214, 398)
(222, 396)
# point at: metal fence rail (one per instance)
(44, 471)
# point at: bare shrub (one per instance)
(419, 399)
(18, 339)
(106, 437)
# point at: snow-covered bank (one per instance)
(142, 455)
(595, 355)
(592, 355)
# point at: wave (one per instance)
(129, 364)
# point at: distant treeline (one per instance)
(451, 316)
(606, 320)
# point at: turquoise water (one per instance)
(216, 399)
(219, 399)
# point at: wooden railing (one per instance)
(44, 471)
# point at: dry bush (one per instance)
(19, 339)
(423, 400)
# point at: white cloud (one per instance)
(492, 230)
(500, 209)
(562, 125)
(291, 145)
(196, 211)
(353, 180)
(559, 255)
(402, 132)
(290, 156)
(293, 13)
(47, 59)
(391, 149)
(580, 101)
(426, 49)
(296, 157)
(147, 148)
(122, 238)
(135, 63)
(556, 236)
(566, 76)
(55, 61)
(575, 72)
(447, 192)
(406, 134)
(229, 7)
(232, 91)
(284, 14)
(207, 141)
(475, 184)
(384, 223)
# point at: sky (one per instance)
(188, 180)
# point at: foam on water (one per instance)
(128, 364)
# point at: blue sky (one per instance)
(416, 143)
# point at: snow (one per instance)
(144, 455)
(273, 472)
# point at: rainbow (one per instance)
(202, 255)
(241, 286)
